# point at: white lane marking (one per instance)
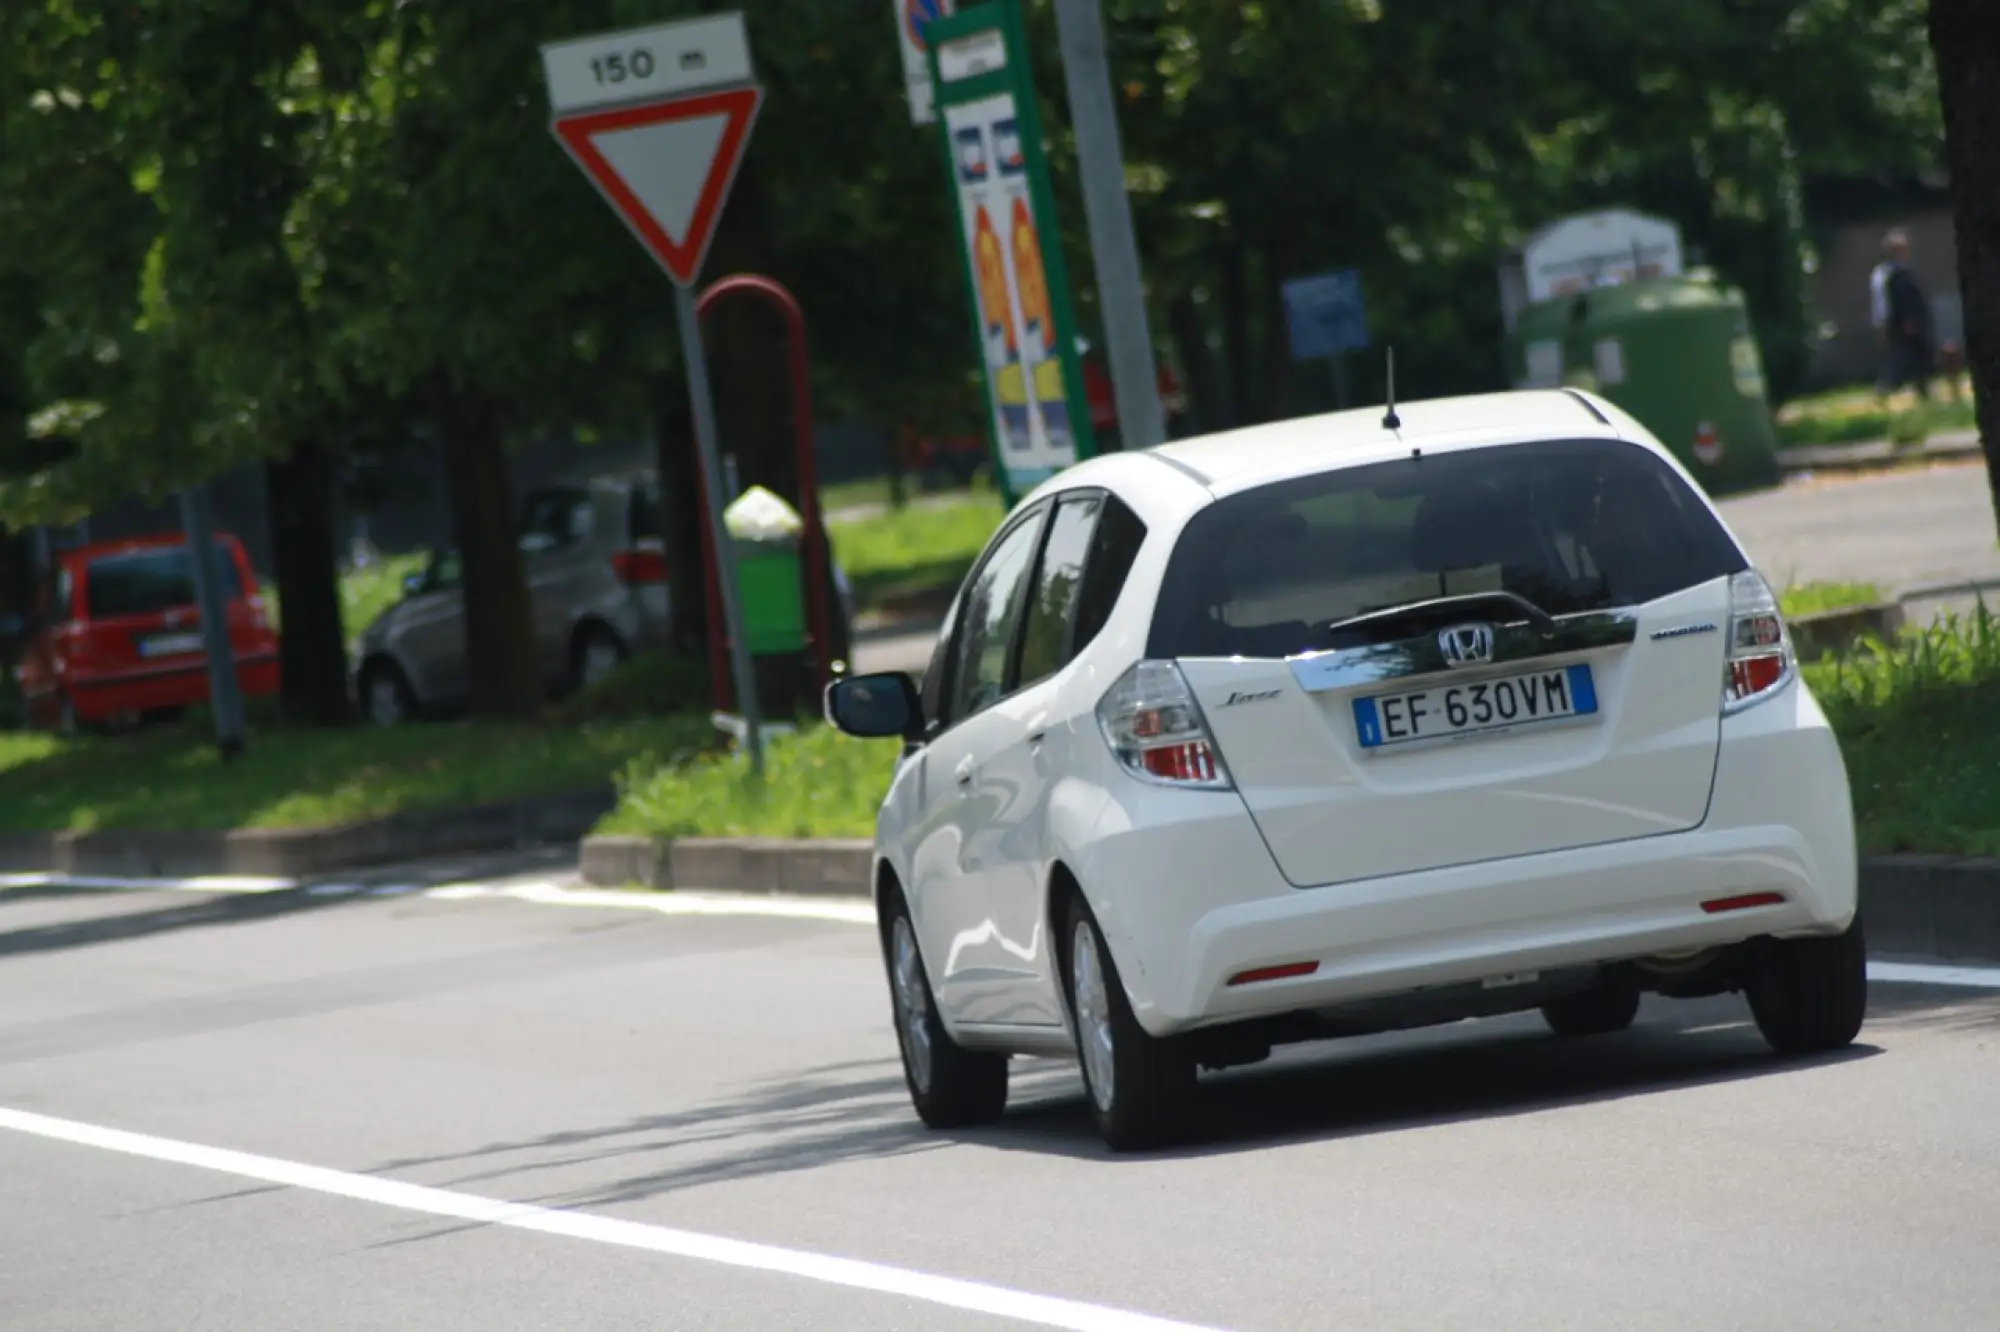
(1929, 973)
(682, 902)
(951, 1292)
(209, 883)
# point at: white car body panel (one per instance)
(1583, 844)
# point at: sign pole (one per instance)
(1107, 210)
(225, 699)
(724, 552)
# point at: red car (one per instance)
(118, 636)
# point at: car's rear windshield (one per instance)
(140, 582)
(1572, 525)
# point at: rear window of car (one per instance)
(1571, 525)
(140, 582)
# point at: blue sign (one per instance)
(1325, 314)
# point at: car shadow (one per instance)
(1472, 1071)
(859, 1111)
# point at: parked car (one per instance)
(117, 635)
(597, 582)
(1345, 725)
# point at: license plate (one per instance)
(1531, 697)
(169, 645)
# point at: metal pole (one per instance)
(225, 699)
(722, 548)
(1114, 248)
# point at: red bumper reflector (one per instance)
(1284, 972)
(1716, 906)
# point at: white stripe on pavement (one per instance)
(210, 883)
(973, 1296)
(682, 902)
(1929, 973)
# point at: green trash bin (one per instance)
(1678, 354)
(769, 580)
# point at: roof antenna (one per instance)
(1391, 421)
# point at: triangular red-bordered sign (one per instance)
(666, 167)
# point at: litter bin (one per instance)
(1678, 354)
(770, 586)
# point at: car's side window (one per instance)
(1045, 634)
(1114, 547)
(994, 600)
(555, 519)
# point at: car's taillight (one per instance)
(637, 567)
(1760, 647)
(1154, 726)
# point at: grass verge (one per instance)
(817, 783)
(170, 777)
(1857, 415)
(914, 550)
(1817, 598)
(1919, 724)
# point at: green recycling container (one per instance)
(1678, 354)
(772, 596)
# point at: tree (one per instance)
(1965, 41)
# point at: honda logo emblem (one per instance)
(1466, 644)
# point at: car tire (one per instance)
(1810, 996)
(386, 698)
(1604, 1008)
(1139, 1087)
(950, 1086)
(595, 653)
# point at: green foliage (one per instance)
(817, 783)
(1919, 723)
(226, 226)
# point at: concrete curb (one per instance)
(838, 867)
(1933, 906)
(303, 853)
(1943, 446)
(1831, 631)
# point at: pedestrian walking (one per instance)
(1902, 318)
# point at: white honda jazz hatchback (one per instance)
(1344, 725)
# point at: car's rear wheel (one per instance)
(950, 1086)
(596, 654)
(1138, 1085)
(1811, 995)
(386, 699)
(1608, 1006)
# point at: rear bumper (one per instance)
(1188, 903)
(98, 698)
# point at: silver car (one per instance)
(597, 582)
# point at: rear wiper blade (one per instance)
(1439, 607)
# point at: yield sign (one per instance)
(666, 166)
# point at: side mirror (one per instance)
(413, 583)
(875, 707)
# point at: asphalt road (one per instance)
(667, 1092)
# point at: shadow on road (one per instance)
(858, 1111)
(191, 910)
